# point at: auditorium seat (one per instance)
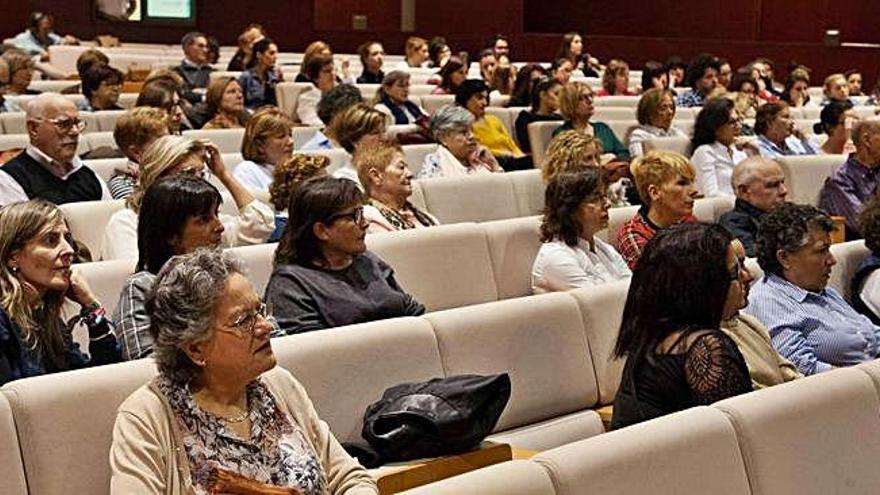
(680, 145)
(13, 141)
(849, 256)
(258, 263)
(13, 123)
(470, 198)
(338, 157)
(622, 128)
(287, 94)
(513, 245)
(11, 467)
(52, 86)
(817, 435)
(507, 116)
(414, 155)
(614, 113)
(302, 135)
(691, 452)
(106, 119)
(543, 347)
(528, 187)
(430, 103)
(87, 221)
(96, 140)
(106, 279)
(805, 175)
(617, 101)
(518, 477)
(227, 140)
(540, 135)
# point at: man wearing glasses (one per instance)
(48, 168)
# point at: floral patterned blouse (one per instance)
(276, 454)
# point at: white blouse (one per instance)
(714, 163)
(254, 176)
(561, 267)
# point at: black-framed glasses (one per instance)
(245, 324)
(356, 216)
(65, 124)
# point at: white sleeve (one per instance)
(636, 149)
(561, 271)
(254, 224)
(307, 108)
(707, 179)
(120, 236)
(10, 190)
(105, 191)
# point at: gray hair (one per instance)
(181, 302)
(746, 171)
(36, 108)
(450, 118)
(787, 227)
(190, 38)
(869, 126)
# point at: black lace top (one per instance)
(711, 368)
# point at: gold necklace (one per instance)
(236, 419)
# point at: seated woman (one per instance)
(743, 90)
(865, 285)
(243, 59)
(655, 75)
(573, 151)
(796, 85)
(655, 113)
(165, 95)
(439, 52)
(836, 120)
(458, 153)
(392, 99)
(179, 214)
(258, 83)
(35, 278)
(714, 146)
(615, 79)
(101, 85)
(315, 49)
(576, 107)
(357, 124)
(21, 73)
(135, 130)
(453, 73)
(267, 143)
(473, 95)
(810, 323)
(526, 78)
(561, 69)
(324, 277)
(416, 51)
(225, 104)
(572, 49)
(571, 255)
(173, 155)
(286, 179)
(665, 181)
(836, 89)
(221, 417)
(545, 103)
(387, 182)
(777, 134)
(677, 357)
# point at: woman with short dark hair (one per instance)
(324, 276)
(836, 120)
(526, 78)
(545, 104)
(687, 280)
(571, 256)
(714, 146)
(452, 74)
(796, 85)
(655, 75)
(392, 99)
(615, 79)
(101, 85)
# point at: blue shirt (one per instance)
(32, 46)
(318, 142)
(691, 98)
(813, 330)
(791, 146)
(847, 189)
(258, 93)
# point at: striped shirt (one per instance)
(813, 330)
(790, 146)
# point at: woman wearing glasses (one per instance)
(715, 147)
(324, 276)
(576, 106)
(221, 417)
(174, 155)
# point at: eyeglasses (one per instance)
(245, 324)
(734, 121)
(587, 97)
(65, 124)
(356, 216)
(737, 270)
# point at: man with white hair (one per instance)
(759, 185)
(48, 168)
(849, 187)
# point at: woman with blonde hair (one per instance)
(572, 151)
(576, 107)
(615, 79)
(322, 49)
(35, 278)
(172, 155)
(416, 53)
(225, 104)
(267, 143)
(357, 124)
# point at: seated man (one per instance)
(333, 102)
(194, 68)
(810, 324)
(39, 36)
(134, 131)
(49, 168)
(702, 77)
(777, 134)
(759, 184)
(855, 182)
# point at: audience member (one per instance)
(473, 95)
(213, 50)
(655, 114)
(174, 155)
(458, 153)
(416, 50)
(655, 76)
(500, 45)
(387, 182)
(572, 49)
(561, 69)
(5, 104)
(576, 107)
(688, 280)
(332, 103)
(665, 182)
(715, 150)
(89, 59)
(315, 49)
(570, 151)
(854, 82)
(452, 74)
(101, 85)
(439, 52)
(796, 85)
(21, 73)
(702, 78)
(504, 80)
(836, 89)
(217, 374)
(676, 69)
(372, 56)
(810, 324)
(777, 134)
(224, 103)
(163, 94)
(35, 279)
(267, 143)
(743, 89)
(39, 36)
(526, 78)
(615, 79)
(725, 73)
(488, 64)
(571, 255)
(258, 83)
(356, 124)
(855, 182)
(178, 215)
(48, 168)
(545, 104)
(392, 99)
(865, 284)
(324, 277)
(135, 130)
(244, 59)
(195, 69)
(836, 121)
(759, 185)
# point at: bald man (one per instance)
(856, 181)
(759, 185)
(49, 168)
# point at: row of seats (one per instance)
(818, 435)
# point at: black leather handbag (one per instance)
(440, 417)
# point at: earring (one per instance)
(14, 269)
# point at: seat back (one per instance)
(106, 278)
(691, 452)
(470, 198)
(540, 135)
(622, 128)
(106, 119)
(414, 155)
(11, 467)
(516, 477)
(87, 221)
(287, 94)
(679, 145)
(258, 263)
(616, 218)
(506, 116)
(13, 123)
(447, 266)
(430, 103)
(617, 101)
(528, 187)
(106, 167)
(227, 140)
(13, 141)
(805, 175)
(513, 245)
(849, 256)
(614, 113)
(302, 135)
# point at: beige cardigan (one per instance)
(146, 456)
(766, 366)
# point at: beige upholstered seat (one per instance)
(848, 255)
(96, 140)
(817, 435)
(414, 155)
(679, 145)
(106, 279)
(507, 116)
(13, 141)
(65, 424)
(542, 345)
(470, 198)
(430, 103)
(617, 101)
(614, 113)
(257, 262)
(442, 267)
(287, 94)
(616, 218)
(302, 135)
(88, 219)
(688, 453)
(508, 478)
(105, 167)
(106, 119)
(513, 245)
(540, 135)
(13, 123)
(805, 175)
(227, 140)
(338, 157)
(11, 467)
(622, 128)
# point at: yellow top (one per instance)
(490, 132)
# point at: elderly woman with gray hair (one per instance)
(458, 153)
(221, 417)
